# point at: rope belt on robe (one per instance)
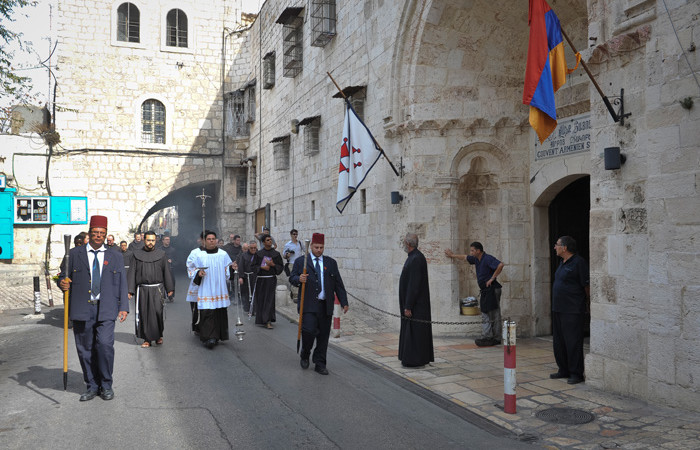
(252, 300)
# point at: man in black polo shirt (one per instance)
(570, 293)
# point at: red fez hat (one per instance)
(98, 222)
(318, 238)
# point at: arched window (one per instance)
(152, 122)
(128, 23)
(176, 23)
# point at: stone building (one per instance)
(439, 83)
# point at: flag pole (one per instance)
(608, 105)
(375, 141)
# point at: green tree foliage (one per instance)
(13, 86)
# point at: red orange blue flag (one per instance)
(546, 68)
(358, 154)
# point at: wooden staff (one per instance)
(301, 297)
(66, 296)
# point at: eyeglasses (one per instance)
(558, 245)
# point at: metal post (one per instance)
(335, 332)
(37, 296)
(509, 366)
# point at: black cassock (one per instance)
(266, 286)
(415, 338)
(150, 280)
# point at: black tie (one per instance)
(95, 288)
(317, 269)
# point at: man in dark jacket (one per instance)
(323, 283)
(415, 338)
(98, 296)
(570, 294)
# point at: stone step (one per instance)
(20, 274)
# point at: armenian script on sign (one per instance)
(572, 135)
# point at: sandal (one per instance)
(159, 341)
(146, 344)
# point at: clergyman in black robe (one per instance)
(267, 264)
(150, 281)
(247, 276)
(172, 260)
(416, 336)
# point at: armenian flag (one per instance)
(546, 67)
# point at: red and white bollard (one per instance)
(509, 366)
(335, 332)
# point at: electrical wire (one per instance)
(685, 55)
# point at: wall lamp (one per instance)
(396, 197)
(613, 158)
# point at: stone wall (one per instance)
(645, 215)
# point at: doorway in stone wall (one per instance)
(569, 214)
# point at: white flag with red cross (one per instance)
(358, 154)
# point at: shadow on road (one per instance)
(53, 317)
(37, 378)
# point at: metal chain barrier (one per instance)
(411, 318)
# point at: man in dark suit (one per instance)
(98, 296)
(319, 296)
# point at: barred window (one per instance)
(128, 23)
(152, 122)
(356, 95)
(357, 101)
(322, 22)
(312, 126)
(280, 152)
(269, 71)
(292, 47)
(236, 117)
(241, 187)
(176, 28)
(250, 102)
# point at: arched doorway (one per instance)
(186, 221)
(569, 215)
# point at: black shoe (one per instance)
(557, 375)
(210, 343)
(321, 369)
(89, 395)
(304, 363)
(107, 394)
(486, 342)
(574, 380)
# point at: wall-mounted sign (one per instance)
(572, 135)
(32, 210)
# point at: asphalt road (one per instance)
(242, 394)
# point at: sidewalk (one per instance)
(472, 377)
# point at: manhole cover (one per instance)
(566, 416)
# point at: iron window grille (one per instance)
(269, 71)
(356, 95)
(176, 28)
(128, 23)
(252, 180)
(152, 122)
(280, 152)
(236, 117)
(322, 22)
(249, 94)
(241, 187)
(312, 127)
(292, 47)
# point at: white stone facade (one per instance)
(443, 96)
